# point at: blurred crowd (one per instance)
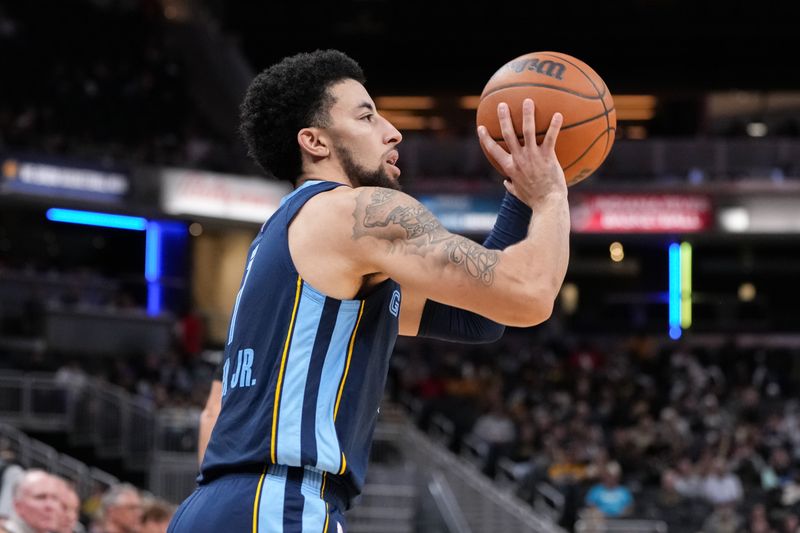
(703, 438)
(35, 501)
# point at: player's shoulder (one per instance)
(354, 204)
(354, 213)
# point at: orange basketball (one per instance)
(556, 83)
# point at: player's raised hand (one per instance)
(533, 170)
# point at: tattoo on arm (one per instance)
(381, 213)
(477, 260)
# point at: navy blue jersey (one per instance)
(303, 373)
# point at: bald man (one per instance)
(37, 507)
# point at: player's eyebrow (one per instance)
(365, 105)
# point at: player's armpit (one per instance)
(396, 235)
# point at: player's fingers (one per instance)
(492, 148)
(507, 128)
(550, 137)
(528, 122)
(509, 185)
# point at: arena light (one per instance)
(405, 120)
(152, 255)
(674, 290)
(154, 252)
(469, 102)
(153, 267)
(686, 285)
(680, 288)
(405, 103)
(747, 292)
(616, 252)
(635, 106)
(757, 129)
(90, 218)
(153, 299)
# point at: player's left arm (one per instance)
(421, 317)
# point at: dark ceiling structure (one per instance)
(637, 46)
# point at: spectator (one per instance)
(721, 486)
(758, 520)
(687, 483)
(790, 523)
(679, 511)
(780, 472)
(724, 519)
(72, 376)
(91, 505)
(70, 509)
(156, 517)
(10, 474)
(37, 507)
(495, 428)
(609, 497)
(121, 510)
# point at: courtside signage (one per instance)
(61, 179)
(641, 213)
(223, 196)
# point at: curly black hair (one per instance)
(287, 97)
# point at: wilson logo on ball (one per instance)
(549, 68)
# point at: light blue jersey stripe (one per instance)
(297, 190)
(314, 510)
(290, 418)
(328, 452)
(270, 511)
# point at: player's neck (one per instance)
(325, 172)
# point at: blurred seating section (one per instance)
(102, 81)
(700, 431)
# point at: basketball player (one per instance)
(344, 265)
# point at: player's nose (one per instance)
(393, 135)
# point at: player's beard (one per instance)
(363, 177)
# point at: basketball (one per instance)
(555, 82)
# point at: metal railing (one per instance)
(407, 472)
(405, 463)
(484, 505)
(116, 424)
(448, 506)
(34, 401)
(31, 453)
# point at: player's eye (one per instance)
(368, 118)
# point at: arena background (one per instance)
(669, 368)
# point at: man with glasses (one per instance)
(121, 509)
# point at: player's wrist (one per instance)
(549, 199)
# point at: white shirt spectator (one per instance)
(724, 488)
(495, 428)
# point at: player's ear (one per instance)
(313, 142)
